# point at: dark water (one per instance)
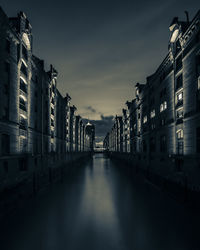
(101, 207)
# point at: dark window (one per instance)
(22, 104)
(7, 67)
(163, 144)
(7, 45)
(178, 47)
(35, 124)
(5, 144)
(198, 140)
(27, 24)
(6, 89)
(144, 146)
(22, 123)
(23, 86)
(152, 144)
(179, 82)
(178, 63)
(5, 166)
(24, 52)
(18, 52)
(23, 166)
(5, 113)
(24, 69)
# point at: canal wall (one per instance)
(32, 175)
(178, 177)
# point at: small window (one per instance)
(179, 134)
(145, 119)
(152, 144)
(24, 69)
(179, 82)
(180, 97)
(163, 144)
(22, 104)
(5, 144)
(179, 113)
(24, 52)
(198, 140)
(7, 67)
(153, 113)
(23, 166)
(7, 45)
(5, 166)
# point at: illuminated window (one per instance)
(198, 139)
(180, 96)
(153, 113)
(179, 134)
(145, 119)
(22, 122)
(179, 113)
(163, 106)
(199, 83)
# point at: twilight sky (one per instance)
(101, 48)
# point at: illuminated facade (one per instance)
(37, 124)
(161, 126)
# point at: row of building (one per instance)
(35, 119)
(160, 127)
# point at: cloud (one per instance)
(91, 109)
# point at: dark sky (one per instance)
(101, 48)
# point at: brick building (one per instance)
(161, 126)
(38, 129)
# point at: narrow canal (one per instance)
(101, 207)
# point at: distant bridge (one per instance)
(99, 150)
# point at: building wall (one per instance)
(161, 126)
(37, 125)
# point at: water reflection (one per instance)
(102, 207)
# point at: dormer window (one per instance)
(174, 35)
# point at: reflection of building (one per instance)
(37, 124)
(161, 126)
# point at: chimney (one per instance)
(187, 16)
